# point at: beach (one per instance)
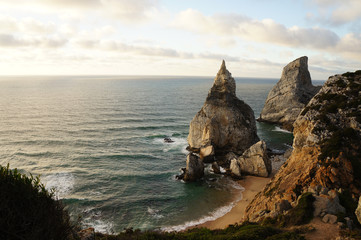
(252, 186)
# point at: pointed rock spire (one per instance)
(223, 68)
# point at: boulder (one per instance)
(224, 122)
(324, 204)
(255, 160)
(235, 168)
(358, 211)
(290, 95)
(329, 218)
(194, 169)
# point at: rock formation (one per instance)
(194, 169)
(326, 156)
(290, 95)
(225, 123)
(255, 161)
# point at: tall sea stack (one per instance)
(290, 95)
(225, 123)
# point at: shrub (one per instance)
(28, 210)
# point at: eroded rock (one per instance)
(358, 211)
(224, 122)
(290, 95)
(194, 169)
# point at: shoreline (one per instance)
(252, 185)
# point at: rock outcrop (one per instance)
(326, 156)
(225, 123)
(358, 211)
(194, 169)
(255, 161)
(290, 95)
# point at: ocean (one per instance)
(98, 140)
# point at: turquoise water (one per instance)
(99, 142)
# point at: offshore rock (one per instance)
(224, 122)
(326, 156)
(255, 161)
(358, 211)
(290, 95)
(194, 169)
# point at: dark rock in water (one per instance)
(225, 123)
(181, 176)
(290, 95)
(168, 140)
(194, 169)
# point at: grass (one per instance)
(246, 231)
(29, 211)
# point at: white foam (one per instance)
(62, 182)
(219, 212)
(278, 129)
(222, 170)
(154, 213)
(178, 143)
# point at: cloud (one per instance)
(266, 30)
(8, 40)
(336, 13)
(129, 11)
(269, 31)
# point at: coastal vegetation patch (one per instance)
(29, 211)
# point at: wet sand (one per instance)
(252, 186)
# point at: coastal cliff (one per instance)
(325, 165)
(224, 123)
(290, 95)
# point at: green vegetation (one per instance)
(301, 214)
(246, 231)
(28, 210)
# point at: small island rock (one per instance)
(290, 95)
(224, 122)
(194, 169)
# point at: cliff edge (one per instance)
(325, 164)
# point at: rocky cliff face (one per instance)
(225, 123)
(326, 157)
(290, 95)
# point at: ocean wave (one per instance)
(278, 129)
(62, 182)
(154, 213)
(177, 144)
(217, 213)
(95, 220)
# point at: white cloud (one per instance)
(128, 11)
(269, 31)
(8, 40)
(334, 12)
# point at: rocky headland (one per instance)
(323, 174)
(290, 95)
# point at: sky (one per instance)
(178, 37)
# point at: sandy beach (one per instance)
(252, 186)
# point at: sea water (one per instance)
(98, 141)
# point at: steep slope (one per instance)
(326, 157)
